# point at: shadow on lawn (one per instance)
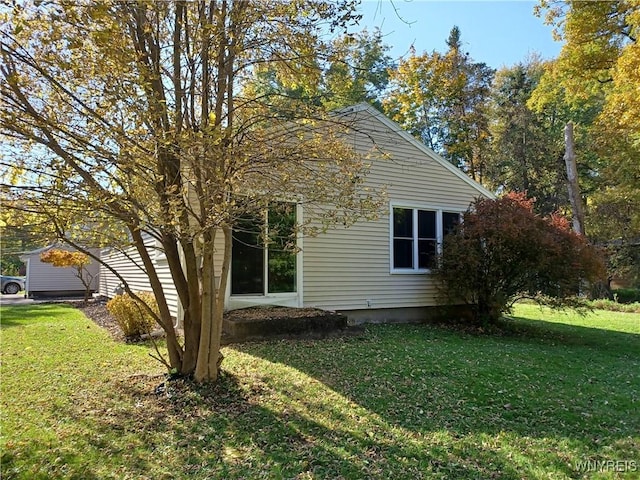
(535, 331)
(544, 382)
(226, 431)
(426, 402)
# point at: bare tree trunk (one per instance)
(213, 297)
(173, 346)
(87, 279)
(204, 371)
(572, 177)
(216, 359)
(192, 308)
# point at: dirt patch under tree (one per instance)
(254, 323)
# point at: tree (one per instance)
(133, 116)
(354, 69)
(599, 63)
(442, 99)
(76, 260)
(20, 232)
(525, 154)
(505, 252)
(358, 70)
(596, 36)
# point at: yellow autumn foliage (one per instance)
(64, 258)
(132, 317)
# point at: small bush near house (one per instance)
(133, 317)
(503, 252)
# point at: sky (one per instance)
(498, 33)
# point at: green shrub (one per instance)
(134, 319)
(626, 295)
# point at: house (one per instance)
(45, 280)
(373, 270)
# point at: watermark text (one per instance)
(608, 466)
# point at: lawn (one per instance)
(551, 399)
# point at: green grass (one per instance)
(401, 401)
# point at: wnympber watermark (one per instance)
(608, 466)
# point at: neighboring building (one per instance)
(45, 280)
(373, 270)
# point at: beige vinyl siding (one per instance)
(44, 277)
(129, 265)
(135, 275)
(350, 268)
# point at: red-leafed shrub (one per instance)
(503, 251)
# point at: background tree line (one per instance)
(504, 127)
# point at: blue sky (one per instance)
(498, 33)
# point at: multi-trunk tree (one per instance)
(131, 117)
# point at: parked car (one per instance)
(11, 285)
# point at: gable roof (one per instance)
(397, 129)
(24, 255)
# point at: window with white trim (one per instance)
(417, 235)
(262, 260)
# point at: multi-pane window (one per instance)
(263, 259)
(417, 236)
(427, 239)
(403, 238)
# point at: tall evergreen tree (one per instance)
(525, 154)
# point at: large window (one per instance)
(417, 236)
(263, 258)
